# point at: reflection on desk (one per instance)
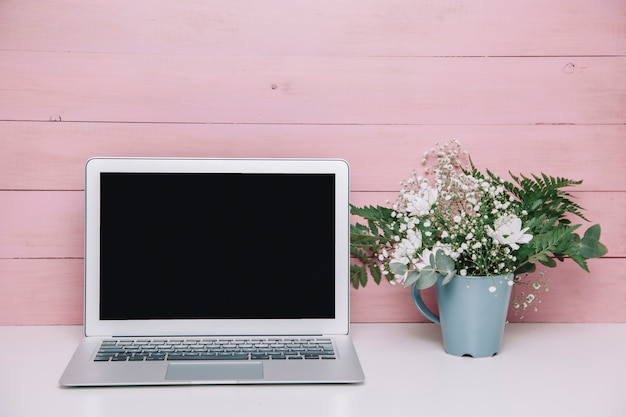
(542, 370)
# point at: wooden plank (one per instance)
(327, 27)
(311, 90)
(531, 86)
(573, 296)
(41, 224)
(49, 224)
(41, 291)
(49, 291)
(51, 156)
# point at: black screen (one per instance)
(223, 246)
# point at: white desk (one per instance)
(542, 370)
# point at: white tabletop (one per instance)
(542, 370)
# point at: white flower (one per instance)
(407, 248)
(508, 231)
(425, 258)
(420, 203)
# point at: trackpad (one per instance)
(214, 371)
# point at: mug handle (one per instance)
(419, 303)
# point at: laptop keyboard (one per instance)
(116, 350)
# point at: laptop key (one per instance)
(111, 350)
(231, 357)
(210, 357)
(120, 358)
(311, 356)
(136, 358)
(194, 350)
(259, 356)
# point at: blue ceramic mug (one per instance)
(472, 313)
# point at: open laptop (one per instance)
(215, 271)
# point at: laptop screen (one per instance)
(197, 246)
(217, 246)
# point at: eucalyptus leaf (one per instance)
(398, 268)
(448, 277)
(427, 278)
(593, 232)
(412, 278)
(591, 248)
(548, 213)
(444, 262)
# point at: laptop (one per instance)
(215, 271)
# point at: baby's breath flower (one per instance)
(472, 218)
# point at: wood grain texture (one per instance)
(324, 28)
(312, 90)
(51, 156)
(528, 86)
(41, 291)
(41, 224)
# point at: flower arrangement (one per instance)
(456, 220)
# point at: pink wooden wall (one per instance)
(527, 86)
